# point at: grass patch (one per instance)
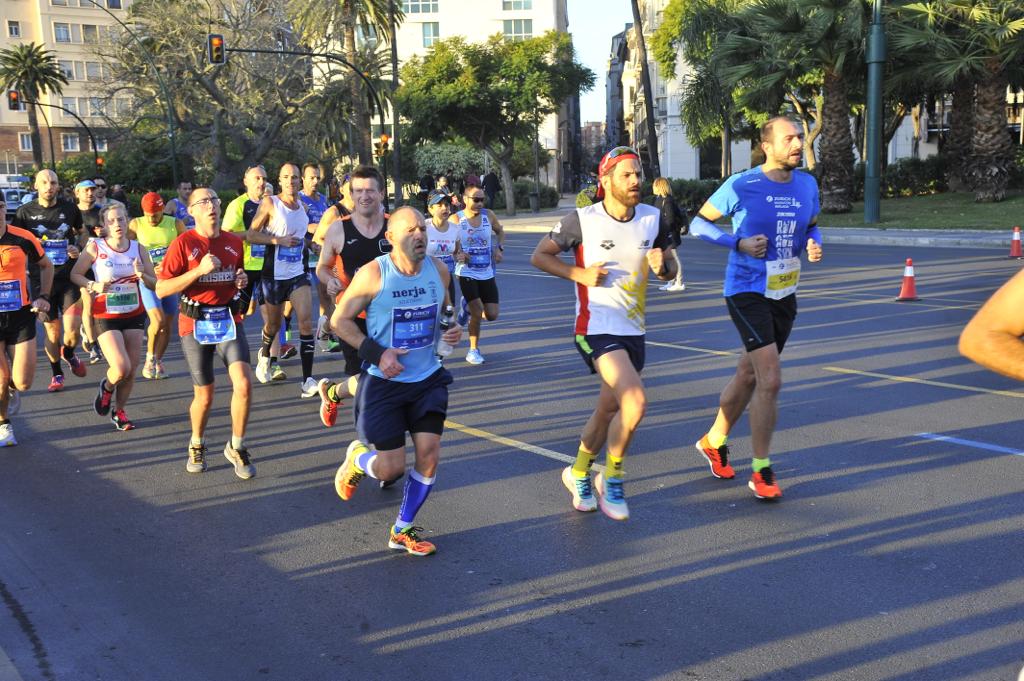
(951, 210)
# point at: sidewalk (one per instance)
(541, 223)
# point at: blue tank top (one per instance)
(315, 207)
(404, 314)
(181, 212)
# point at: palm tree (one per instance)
(788, 44)
(33, 71)
(328, 21)
(975, 45)
(707, 108)
(645, 79)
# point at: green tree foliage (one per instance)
(979, 45)
(492, 93)
(33, 71)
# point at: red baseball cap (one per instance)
(152, 203)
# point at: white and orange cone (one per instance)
(908, 292)
(1015, 251)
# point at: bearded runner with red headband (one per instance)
(615, 243)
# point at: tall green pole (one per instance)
(873, 168)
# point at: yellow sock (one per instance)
(716, 439)
(584, 460)
(613, 467)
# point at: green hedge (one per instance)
(523, 188)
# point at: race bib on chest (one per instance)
(157, 255)
(10, 296)
(413, 327)
(289, 253)
(122, 298)
(56, 250)
(215, 325)
(783, 276)
(258, 250)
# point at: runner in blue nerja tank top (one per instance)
(774, 209)
(405, 388)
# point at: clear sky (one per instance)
(592, 24)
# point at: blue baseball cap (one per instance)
(437, 196)
(86, 184)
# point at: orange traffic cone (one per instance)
(908, 292)
(1015, 251)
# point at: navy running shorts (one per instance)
(593, 346)
(762, 321)
(278, 291)
(386, 410)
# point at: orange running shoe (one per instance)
(328, 407)
(348, 476)
(763, 484)
(409, 541)
(718, 459)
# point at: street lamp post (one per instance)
(397, 170)
(873, 168)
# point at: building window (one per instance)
(518, 29)
(67, 67)
(25, 141)
(366, 35)
(69, 103)
(431, 31)
(62, 33)
(90, 34)
(122, 107)
(97, 106)
(420, 6)
(13, 29)
(93, 70)
(69, 142)
(59, 3)
(516, 4)
(101, 145)
(113, 4)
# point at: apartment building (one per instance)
(68, 28)
(428, 21)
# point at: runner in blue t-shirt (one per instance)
(774, 209)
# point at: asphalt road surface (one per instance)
(895, 553)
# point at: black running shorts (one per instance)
(762, 321)
(200, 357)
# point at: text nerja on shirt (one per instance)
(783, 212)
(618, 306)
(404, 314)
(216, 288)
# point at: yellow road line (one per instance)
(924, 381)
(509, 442)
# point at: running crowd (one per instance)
(387, 289)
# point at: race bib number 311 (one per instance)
(413, 327)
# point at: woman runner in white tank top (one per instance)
(119, 268)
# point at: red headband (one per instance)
(608, 162)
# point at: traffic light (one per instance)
(381, 147)
(13, 100)
(215, 50)
(99, 163)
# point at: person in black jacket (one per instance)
(673, 216)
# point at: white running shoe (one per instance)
(7, 435)
(665, 287)
(675, 287)
(611, 497)
(311, 388)
(262, 367)
(581, 490)
(13, 402)
(474, 357)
